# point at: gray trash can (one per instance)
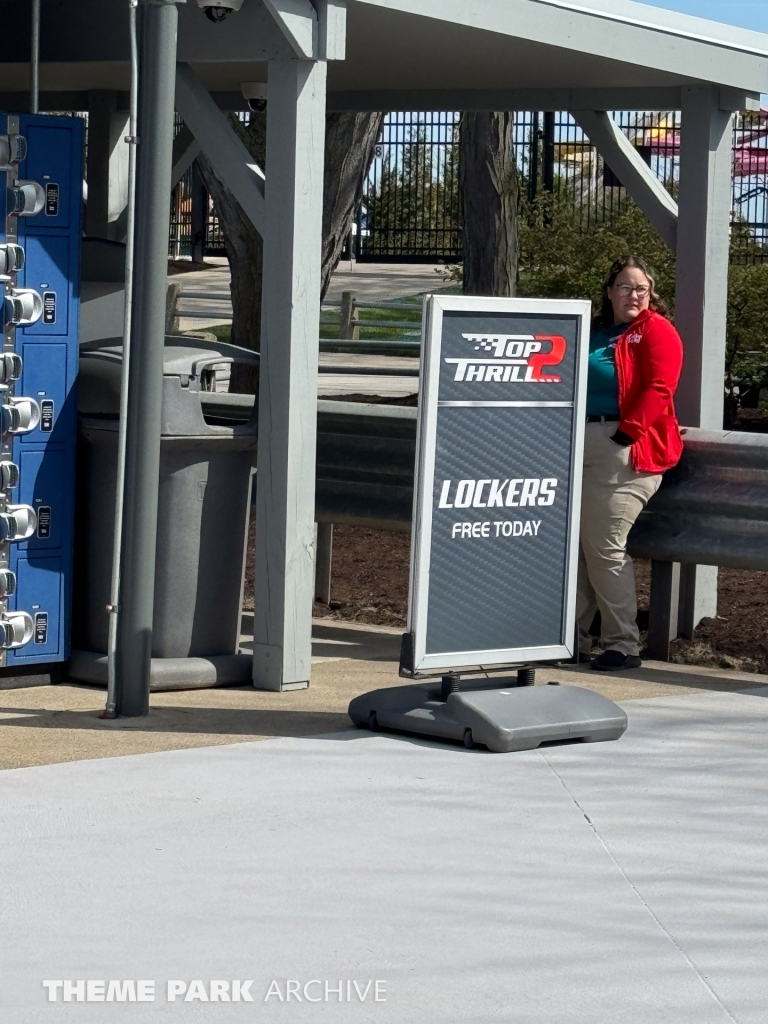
(207, 462)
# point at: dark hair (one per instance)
(605, 317)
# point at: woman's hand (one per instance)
(622, 439)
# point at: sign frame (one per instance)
(423, 493)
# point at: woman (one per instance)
(632, 437)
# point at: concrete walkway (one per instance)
(620, 882)
(373, 282)
(48, 724)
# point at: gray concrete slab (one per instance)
(619, 882)
(377, 282)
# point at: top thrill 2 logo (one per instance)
(517, 358)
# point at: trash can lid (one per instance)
(182, 357)
(185, 358)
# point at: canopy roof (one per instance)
(411, 54)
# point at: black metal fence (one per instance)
(412, 207)
(411, 210)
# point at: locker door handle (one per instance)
(16, 629)
(18, 522)
(20, 415)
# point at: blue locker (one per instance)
(41, 591)
(49, 350)
(45, 378)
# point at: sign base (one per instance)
(503, 719)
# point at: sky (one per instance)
(746, 13)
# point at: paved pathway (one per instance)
(619, 883)
(377, 282)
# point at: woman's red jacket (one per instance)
(649, 359)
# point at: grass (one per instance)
(383, 316)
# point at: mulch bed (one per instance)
(370, 585)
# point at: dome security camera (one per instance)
(217, 10)
(256, 95)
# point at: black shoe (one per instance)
(615, 661)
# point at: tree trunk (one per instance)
(350, 140)
(490, 190)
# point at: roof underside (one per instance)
(448, 45)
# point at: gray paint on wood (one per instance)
(614, 29)
(107, 166)
(698, 597)
(323, 561)
(662, 624)
(297, 20)
(701, 304)
(285, 490)
(632, 171)
(664, 97)
(702, 249)
(332, 23)
(232, 162)
(185, 150)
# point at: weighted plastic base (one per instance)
(502, 719)
(170, 673)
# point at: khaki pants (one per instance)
(613, 497)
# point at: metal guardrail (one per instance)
(712, 509)
(365, 463)
(365, 458)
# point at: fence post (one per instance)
(662, 620)
(323, 560)
(348, 316)
(171, 312)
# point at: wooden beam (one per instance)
(701, 304)
(297, 20)
(285, 488)
(629, 98)
(185, 149)
(230, 159)
(332, 21)
(632, 171)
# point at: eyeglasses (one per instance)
(641, 290)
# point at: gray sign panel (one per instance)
(498, 481)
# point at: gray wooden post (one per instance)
(348, 316)
(323, 562)
(662, 625)
(285, 490)
(107, 167)
(701, 304)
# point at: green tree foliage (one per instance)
(561, 257)
(746, 361)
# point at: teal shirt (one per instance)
(602, 383)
